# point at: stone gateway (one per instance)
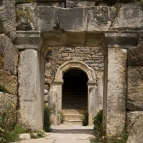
(76, 56)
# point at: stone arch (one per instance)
(75, 64)
(55, 94)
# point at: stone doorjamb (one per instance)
(58, 82)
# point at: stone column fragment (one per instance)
(116, 92)
(28, 89)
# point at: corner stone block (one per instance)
(135, 56)
(27, 79)
(116, 90)
(45, 18)
(33, 17)
(135, 127)
(135, 88)
(129, 17)
(73, 20)
(100, 18)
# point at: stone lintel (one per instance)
(27, 37)
(28, 40)
(124, 39)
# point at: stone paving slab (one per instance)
(43, 140)
(71, 132)
(40, 140)
(71, 141)
(66, 133)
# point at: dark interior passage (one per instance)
(75, 94)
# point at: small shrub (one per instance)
(7, 136)
(85, 119)
(47, 119)
(140, 3)
(120, 137)
(13, 135)
(2, 89)
(38, 134)
(62, 117)
(33, 135)
(98, 123)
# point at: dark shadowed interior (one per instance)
(75, 90)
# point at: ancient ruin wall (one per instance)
(125, 21)
(57, 56)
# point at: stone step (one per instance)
(73, 111)
(77, 122)
(73, 117)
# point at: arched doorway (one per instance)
(74, 95)
(55, 93)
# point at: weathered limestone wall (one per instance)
(135, 124)
(135, 93)
(66, 30)
(34, 17)
(8, 19)
(8, 62)
(68, 23)
(116, 95)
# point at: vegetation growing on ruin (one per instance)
(2, 89)
(120, 137)
(140, 3)
(6, 134)
(47, 119)
(62, 117)
(38, 134)
(85, 119)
